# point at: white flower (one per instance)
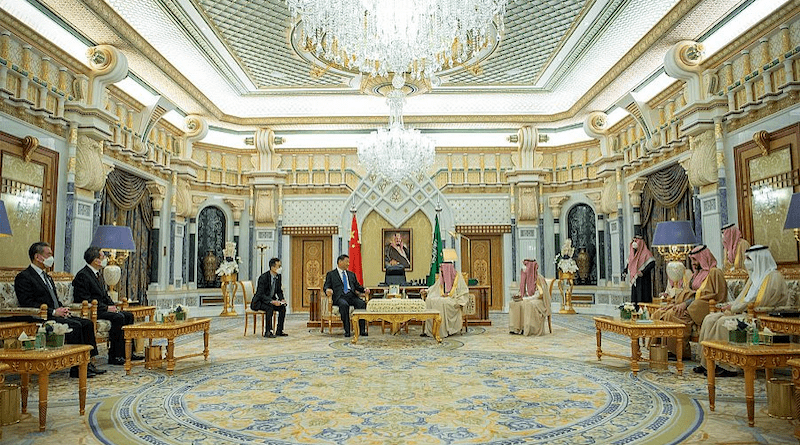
(228, 268)
(628, 306)
(567, 265)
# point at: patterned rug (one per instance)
(431, 395)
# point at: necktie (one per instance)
(344, 280)
(272, 289)
(50, 289)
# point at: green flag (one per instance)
(436, 253)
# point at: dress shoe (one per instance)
(73, 372)
(347, 334)
(423, 335)
(269, 334)
(116, 361)
(281, 334)
(135, 357)
(363, 334)
(92, 368)
(700, 370)
(722, 372)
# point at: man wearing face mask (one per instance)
(88, 285)
(765, 286)
(34, 287)
(691, 305)
(640, 271)
(269, 298)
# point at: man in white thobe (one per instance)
(448, 295)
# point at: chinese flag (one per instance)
(355, 251)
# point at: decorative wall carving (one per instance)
(609, 200)
(702, 165)
(528, 204)
(196, 129)
(183, 199)
(265, 207)
(635, 191)
(29, 145)
(90, 173)
(682, 61)
(157, 193)
(108, 66)
(528, 138)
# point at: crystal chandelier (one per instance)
(382, 36)
(396, 152)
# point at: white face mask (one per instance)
(279, 270)
(104, 262)
(634, 246)
(48, 262)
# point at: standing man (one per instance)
(34, 287)
(87, 286)
(343, 288)
(269, 298)
(640, 271)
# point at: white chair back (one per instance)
(247, 292)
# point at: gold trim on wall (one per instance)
(496, 229)
(310, 230)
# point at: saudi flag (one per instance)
(436, 253)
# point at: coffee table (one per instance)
(42, 363)
(13, 329)
(750, 358)
(396, 318)
(634, 330)
(170, 331)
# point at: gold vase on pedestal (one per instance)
(228, 284)
(566, 302)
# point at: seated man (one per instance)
(448, 295)
(765, 286)
(269, 298)
(88, 285)
(342, 286)
(528, 311)
(34, 287)
(734, 246)
(691, 305)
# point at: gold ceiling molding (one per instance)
(223, 149)
(24, 33)
(785, 15)
(594, 143)
(310, 230)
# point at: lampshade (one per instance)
(792, 215)
(449, 255)
(671, 233)
(114, 237)
(5, 227)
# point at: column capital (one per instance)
(555, 203)
(635, 189)
(157, 194)
(237, 206)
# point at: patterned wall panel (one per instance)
(493, 210)
(210, 239)
(312, 212)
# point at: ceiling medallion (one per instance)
(395, 152)
(378, 37)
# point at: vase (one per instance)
(737, 336)
(624, 314)
(584, 263)
(54, 340)
(180, 316)
(210, 265)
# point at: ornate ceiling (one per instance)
(236, 61)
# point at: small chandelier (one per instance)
(396, 152)
(419, 37)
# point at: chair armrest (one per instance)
(121, 305)
(712, 306)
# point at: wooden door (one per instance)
(311, 259)
(485, 263)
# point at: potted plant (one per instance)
(625, 311)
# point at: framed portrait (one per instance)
(397, 248)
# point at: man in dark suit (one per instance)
(269, 298)
(343, 287)
(88, 286)
(34, 287)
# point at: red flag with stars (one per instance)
(355, 251)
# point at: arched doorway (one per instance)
(210, 242)
(581, 228)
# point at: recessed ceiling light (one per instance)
(277, 74)
(514, 71)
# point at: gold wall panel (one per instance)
(779, 161)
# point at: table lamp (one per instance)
(792, 216)
(674, 241)
(117, 241)
(5, 227)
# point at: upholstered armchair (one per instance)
(329, 312)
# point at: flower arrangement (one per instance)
(737, 329)
(231, 265)
(625, 310)
(567, 265)
(50, 327)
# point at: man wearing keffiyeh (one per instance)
(692, 305)
(448, 295)
(765, 287)
(640, 271)
(734, 246)
(528, 310)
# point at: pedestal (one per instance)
(229, 286)
(566, 302)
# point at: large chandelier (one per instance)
(413, 36)
(396, 152)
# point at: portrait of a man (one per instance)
(397, 248)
